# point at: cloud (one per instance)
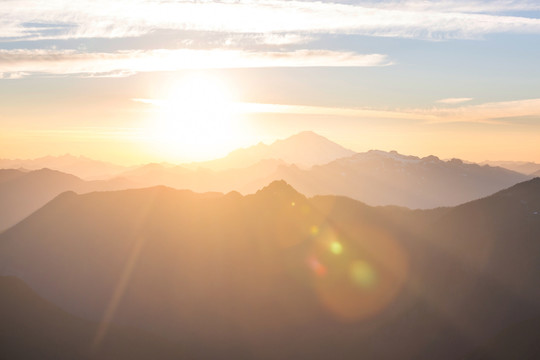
(122, 63)
(483, 113)
(330, 111)
(492, 113)
(462, 6)
(61, 19)
(453, 100)
(260, 108)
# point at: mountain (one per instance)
(10, 174)
(304, 149)
(536, 174)
(518, 341)
(79, 166)
(23, 192)
(202, 179)
(523, 167)
(388, 178)
(33, 328)
(375, 177)
(277, 275)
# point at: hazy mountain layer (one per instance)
(304, 149)
(79, 166)
(23, 192)
(276, 275)
(523, 167)
(375, 177)
(389, 178)
(201, 179)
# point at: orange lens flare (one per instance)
(357, 277)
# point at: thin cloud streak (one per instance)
(493, 112)
(122, 18)
(16, 63)
(452, 101)
(484, 113)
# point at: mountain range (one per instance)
(326, 168)
(79, 166)
(304, 149)
(278, 275)
(32, 328)
(389, 178)
(374, 177)
(23, 192)
(523, 167)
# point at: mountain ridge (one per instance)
(316, 150)
(257, 270)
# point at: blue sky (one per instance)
(419, 77)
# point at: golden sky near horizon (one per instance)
(186, 81)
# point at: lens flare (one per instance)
(365, 278)
(336, 248)
(362, 274)
(318, 268)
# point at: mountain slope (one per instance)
(389, 178)
(22, 193)
(79, 166)
(518, 341)
(201, 179)
(32, 328)
(277, 275)
(522, 167)
(304, 149)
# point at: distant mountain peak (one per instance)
(279, 188)
(305, 149)
(394, 155)
(306, 134)
(308, 137)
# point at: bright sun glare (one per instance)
(196, 120)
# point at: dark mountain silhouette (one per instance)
(304, 149)
(33, 328)
(518, 341)
(79, 166)
(389, 178)
(277, 275)
(23, 192)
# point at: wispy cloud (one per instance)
(120, 63)
(466, 6)
(483, 113)
(59, 19)
(452, 101)
(489, 112)
(260, 108)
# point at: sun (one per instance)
(196, 120)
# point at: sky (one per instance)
(139, 81)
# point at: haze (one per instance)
(269, 180)
(108, 79)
